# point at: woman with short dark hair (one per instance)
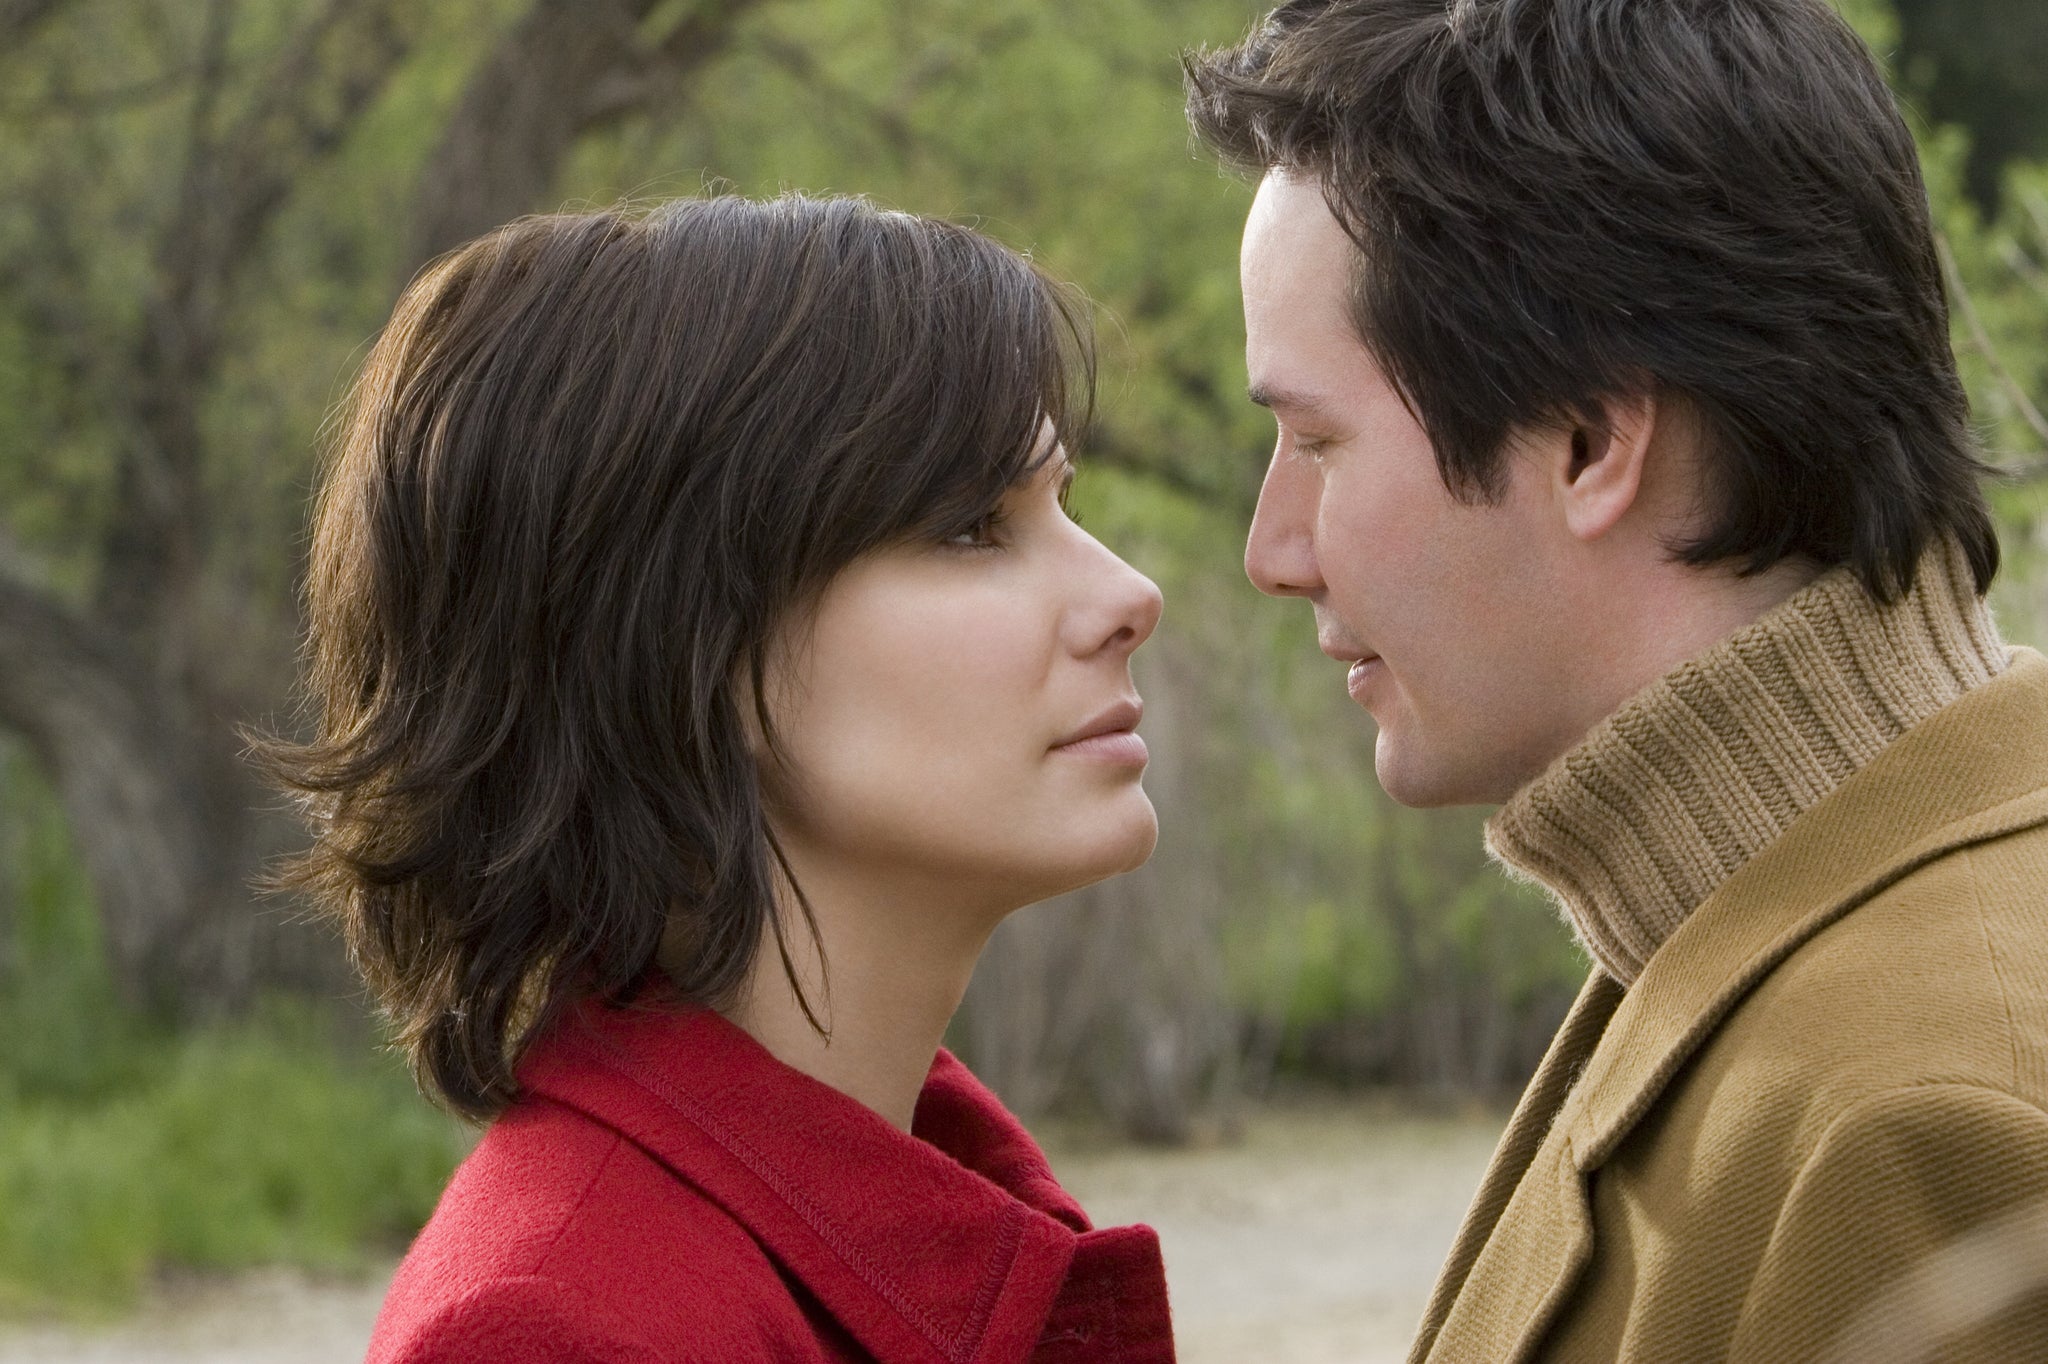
(705, 666)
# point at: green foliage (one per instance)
(1874, 20)
(123, 1151)
(64, 1037)
(1977, 64)
(235, 1146)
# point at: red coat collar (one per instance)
(954, 1244)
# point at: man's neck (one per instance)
(1663, 615)
(1702, 769)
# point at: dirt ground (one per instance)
(1310, 1239)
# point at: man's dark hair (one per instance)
(1557, 201)
(592, 465)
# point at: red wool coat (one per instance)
(666, 1192)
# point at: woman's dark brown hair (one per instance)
(592, 462)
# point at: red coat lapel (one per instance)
(952, 1244)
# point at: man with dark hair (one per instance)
(1623, 459)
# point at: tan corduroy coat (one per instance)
(1813, 1129)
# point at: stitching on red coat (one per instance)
(984, 1308)
(842, 1246)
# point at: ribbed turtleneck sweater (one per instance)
(1697, 773)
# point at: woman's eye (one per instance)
(978, 534)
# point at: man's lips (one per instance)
(1363, 671)
(1343, 650)
(1364, 663)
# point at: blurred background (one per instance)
(207, 207)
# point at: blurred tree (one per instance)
(119, 654)
(566, 69)
(1981, 64)
(154, 150)
(202, 208)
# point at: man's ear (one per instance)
(1598, 465)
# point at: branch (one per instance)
(2037, 212)
(889, 119)
(321, 85)
(19, 19)
(569, 68)
(2025, 266)
(112, 99)
(17, 565)
(53, 665)
(130, 787)
(234, 182)
(802, 65)
(1982, 338)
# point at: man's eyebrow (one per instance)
(1306, 404)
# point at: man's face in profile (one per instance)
(1441, 609)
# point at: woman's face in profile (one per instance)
(960, 713)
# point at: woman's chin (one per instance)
(1113, 845)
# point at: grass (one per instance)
(255, 1144)
(125, 1151)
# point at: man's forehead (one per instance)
(1292, 213)
(1297, 264)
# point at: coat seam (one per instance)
(1997, 975)
(992, 1281)
(582, 1198)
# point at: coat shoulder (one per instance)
(1939, 978)
(1911, 1192)
(560, 1230)
(1806, 1134)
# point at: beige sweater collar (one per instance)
(1693, 776)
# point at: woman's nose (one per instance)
(1141, 610)
(1124, 608)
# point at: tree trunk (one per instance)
(567, 69)
(125, 779)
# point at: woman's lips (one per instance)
(1111, 737)
(1361, 676)
(1122, 747)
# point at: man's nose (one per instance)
(1280, 552)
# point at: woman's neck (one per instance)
(895, 962)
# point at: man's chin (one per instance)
(1423, 781)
